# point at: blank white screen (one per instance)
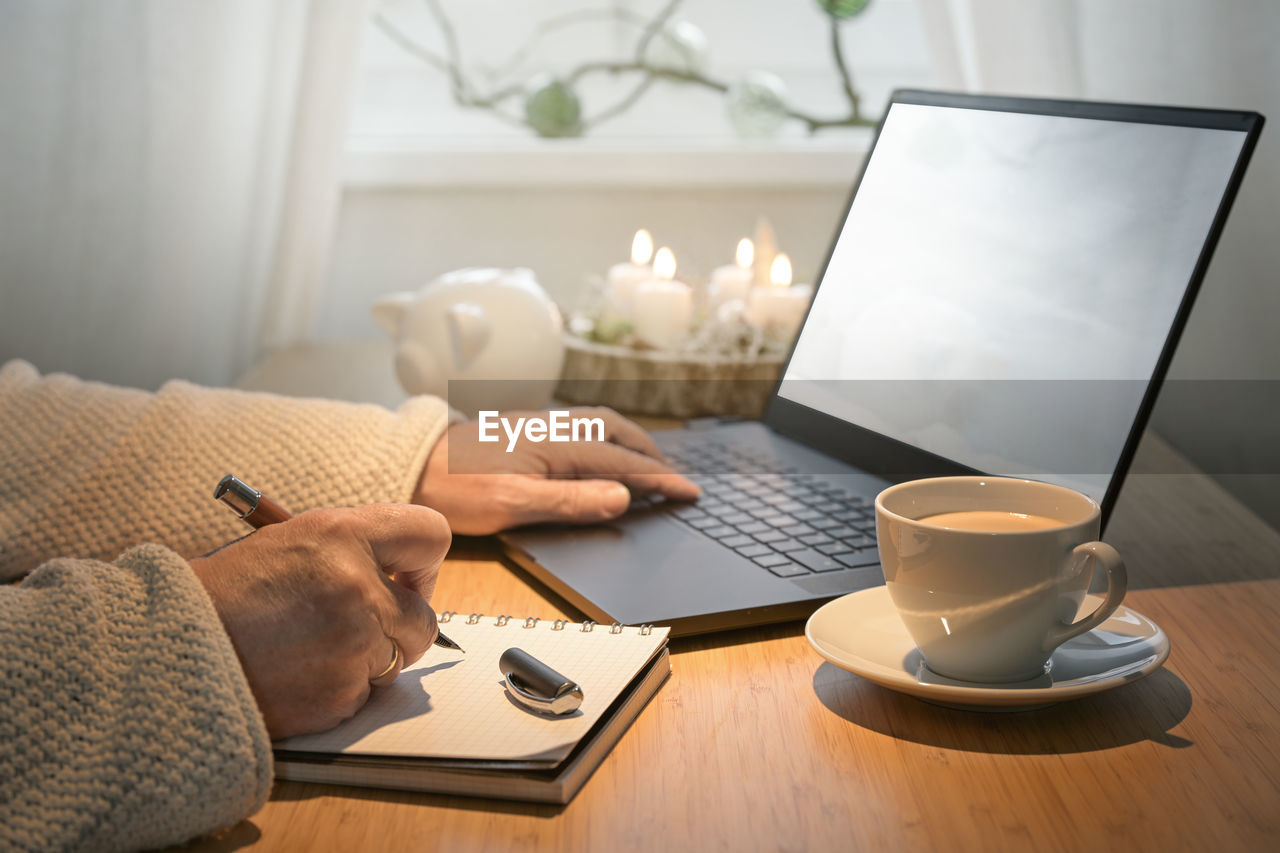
(986, 246)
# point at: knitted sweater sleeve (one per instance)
(91, 469)
(125, 719)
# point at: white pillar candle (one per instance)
(778, 308)
(625, 277)
(732, 281)
(766, 248)
(663, 307)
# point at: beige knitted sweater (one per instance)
(125, 719)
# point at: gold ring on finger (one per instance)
(391, 667)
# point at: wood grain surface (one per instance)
(756, 743)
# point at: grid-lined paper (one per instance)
(455, 705)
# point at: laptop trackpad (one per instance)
(651, 568)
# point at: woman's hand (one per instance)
(481, 488)
(314, 604)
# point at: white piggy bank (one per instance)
(495, 328)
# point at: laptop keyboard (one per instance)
(788, 523)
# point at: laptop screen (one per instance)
(1004, 284)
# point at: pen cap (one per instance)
(536, 686)
(534, 675)
(250, 504)
(237, 494)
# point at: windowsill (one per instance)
(409, 162)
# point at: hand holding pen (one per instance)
(257, 510)
(311, 613)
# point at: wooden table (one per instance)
(756, 743)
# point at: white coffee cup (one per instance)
(991, 605)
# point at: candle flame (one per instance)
(664, 264)
(780, 272)
(746, 253)
(641, 247)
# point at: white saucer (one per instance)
(861, 632)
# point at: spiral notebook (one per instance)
(448, 725)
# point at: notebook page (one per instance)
(454, 705)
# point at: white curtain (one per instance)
(168, 179)
(1191, 52)
(1015, 46)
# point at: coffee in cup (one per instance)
(991, 521)
(988, 573)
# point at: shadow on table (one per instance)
(297, 791)
(1145, 710)
(1177, 526)
(474, 548)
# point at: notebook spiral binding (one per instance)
(532, 622)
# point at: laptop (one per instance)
(1003, 296)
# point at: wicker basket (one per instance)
(651, 382)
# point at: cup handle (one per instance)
(1117, 585)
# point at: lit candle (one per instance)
(778, 307)
(625, 277)
(662, 307)
(766, 246)
(732, 281)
